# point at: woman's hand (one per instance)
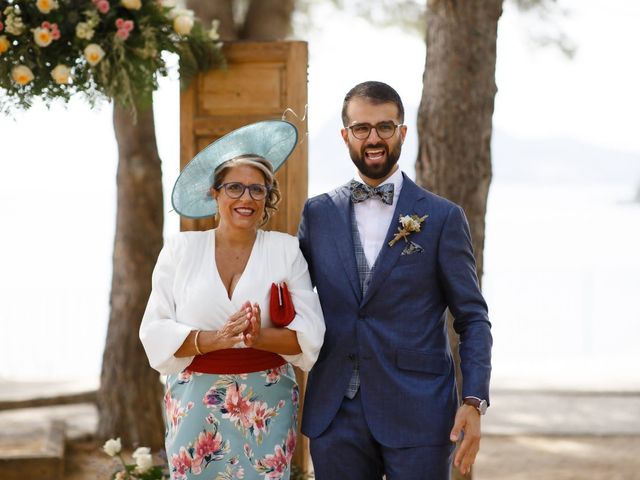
(233, 330)
(252, 333)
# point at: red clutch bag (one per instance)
(280, 305)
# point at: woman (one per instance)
(231, 396)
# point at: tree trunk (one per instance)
(130, 394)
(268, 20)
(222, 10)
(454, 119)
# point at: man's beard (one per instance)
(375, 172)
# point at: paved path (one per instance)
(528, 435)
(563, 413)
(511, 412)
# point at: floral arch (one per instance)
(55, 49)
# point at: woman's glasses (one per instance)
(236, 190)
(385, 130)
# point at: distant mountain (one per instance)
(559, 160)
(515, 160)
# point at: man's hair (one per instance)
(374, 92)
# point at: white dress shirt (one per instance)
(373, 218)
(187, 294)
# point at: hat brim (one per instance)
(271, 139)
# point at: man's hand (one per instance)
(467, 421)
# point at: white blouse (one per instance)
(187, 294)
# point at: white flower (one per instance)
(93, 19)
(121, 475)
(21, 74)
(213, 33)
(45, 6)
(183, 24)
(42, 36)
(409, 223)
(132, 4)
(93, 53)
(84, 31)
(112, 447)
(5, 44)
(13, 22)
(143, 459)
(61, 74)
(141, 451)
(177, 11)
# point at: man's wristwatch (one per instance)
(479, 404)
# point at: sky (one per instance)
(57, 184)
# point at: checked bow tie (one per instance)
(360, 192)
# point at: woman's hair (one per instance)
(264, 166)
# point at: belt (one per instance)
(235, 360)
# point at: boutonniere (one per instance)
(408, 225)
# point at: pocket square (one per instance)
(412, 248)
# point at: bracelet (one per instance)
(195, 342)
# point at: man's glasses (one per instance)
(385, 130)
(236, 190)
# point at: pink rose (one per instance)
(103, 6)
(55, 31)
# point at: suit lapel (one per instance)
(343, 237)
(388, 256)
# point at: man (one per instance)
(381, 399)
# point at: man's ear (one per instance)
(403, 132)
(345, 135)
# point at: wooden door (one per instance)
(261, 81)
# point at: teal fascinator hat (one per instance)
(271, 139)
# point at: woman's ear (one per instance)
(213, 193)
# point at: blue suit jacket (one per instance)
(398, 330)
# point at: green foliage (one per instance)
(55, 49)
(548, 30)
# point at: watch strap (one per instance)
(478, 403)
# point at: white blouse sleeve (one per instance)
(160, 333)
(309, 321)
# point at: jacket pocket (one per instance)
(420, 361)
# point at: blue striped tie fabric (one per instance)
(364, 274)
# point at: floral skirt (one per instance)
(223, 427)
